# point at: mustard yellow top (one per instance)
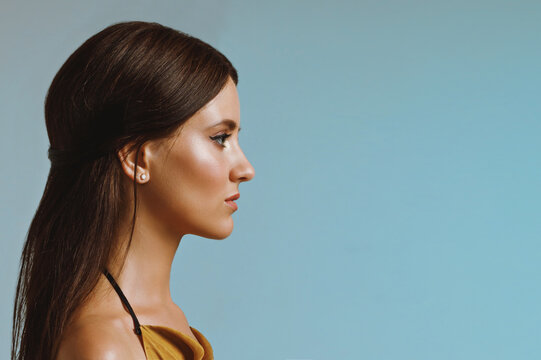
(165, 343)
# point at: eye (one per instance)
(220, 137)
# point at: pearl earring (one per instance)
(143, 176)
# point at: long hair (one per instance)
(130, 83)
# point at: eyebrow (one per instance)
(232, 125)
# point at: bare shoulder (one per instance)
(95, 340)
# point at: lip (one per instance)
(230, 201)
(233, 197)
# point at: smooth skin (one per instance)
(187, 181)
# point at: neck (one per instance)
(145, 276)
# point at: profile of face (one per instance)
(190, 176)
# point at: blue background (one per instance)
(395, 209)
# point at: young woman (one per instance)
(143, 122)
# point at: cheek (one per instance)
(201, 170)
(197, 182)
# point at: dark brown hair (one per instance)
(130, 83)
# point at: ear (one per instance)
(127, 161)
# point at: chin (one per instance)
(217, 233)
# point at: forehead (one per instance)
(225, 105)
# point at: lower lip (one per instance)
(232, 204)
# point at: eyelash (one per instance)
(222, 137)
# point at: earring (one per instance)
(143, 176)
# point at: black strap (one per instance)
(137, 329)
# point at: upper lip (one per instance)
(233, 197)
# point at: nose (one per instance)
(243, 170)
